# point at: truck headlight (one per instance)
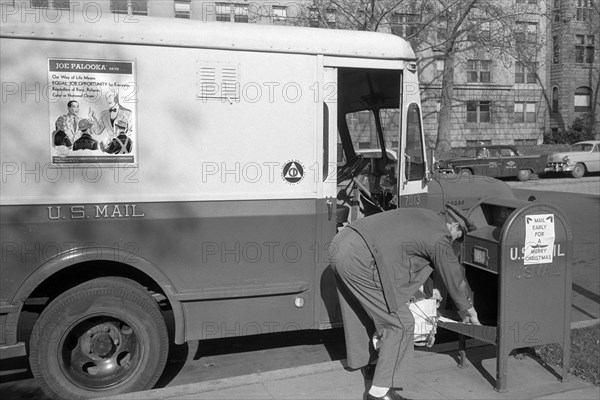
(566, 159)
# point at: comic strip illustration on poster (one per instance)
(93, 112)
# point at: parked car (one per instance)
(582, 157)
(496, 161)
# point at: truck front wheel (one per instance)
(101, 338)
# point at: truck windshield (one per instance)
(362, 126)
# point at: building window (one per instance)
(316, 20)
(556, 10)
(240, 13)
(583, 11)
(555, 50)
(182, 9)
(524, 112)
(525, 73)
(583, 97)
(478, 71)
(526, 32)
(584, 49)
(223, 12)
(228, 12)
(478, 111)
(51, 4)
(279, 14)
(405, 24)
(555, 100)
(479, 27)
(130, 7)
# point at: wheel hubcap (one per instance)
(99, 353)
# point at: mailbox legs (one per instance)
(462, 350)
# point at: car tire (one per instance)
(578, 171)
(466, 173)
(101, 338)
(524, 175)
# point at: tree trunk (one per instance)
(445, 115)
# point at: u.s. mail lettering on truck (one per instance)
(218, 137)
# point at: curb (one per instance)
(231, 382)
(178, 391)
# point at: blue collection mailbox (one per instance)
(518, 264)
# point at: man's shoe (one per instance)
(368, 371)
(390, 395)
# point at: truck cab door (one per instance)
(412, 179)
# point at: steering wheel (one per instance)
(351, 168)
(367, 193)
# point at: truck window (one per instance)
(415, 165)
(362, 126)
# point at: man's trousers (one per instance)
(364, 312)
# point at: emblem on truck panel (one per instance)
(292, 171)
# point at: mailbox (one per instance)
(518, 265)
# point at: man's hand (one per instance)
(470, 316)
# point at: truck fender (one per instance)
(86, 254)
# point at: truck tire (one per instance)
(578, 171)
(524, 175)
(101, 338)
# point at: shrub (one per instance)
(577, 132)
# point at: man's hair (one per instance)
(114, 94)
(70, 103)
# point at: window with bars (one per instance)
(182, 9)
(478, 111)
(130, 7)
(524, 112)
(525, 73)
(555, 50)
(405, 24)
(584, 10)
(478, 71)
(584, 49)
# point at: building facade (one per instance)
(501, 95)
(573, 63)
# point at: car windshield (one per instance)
(582, 147)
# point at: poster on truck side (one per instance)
(93, 110)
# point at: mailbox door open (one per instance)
(518, 264)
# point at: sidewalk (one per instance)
(437, 376)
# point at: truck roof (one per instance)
(157, 31)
